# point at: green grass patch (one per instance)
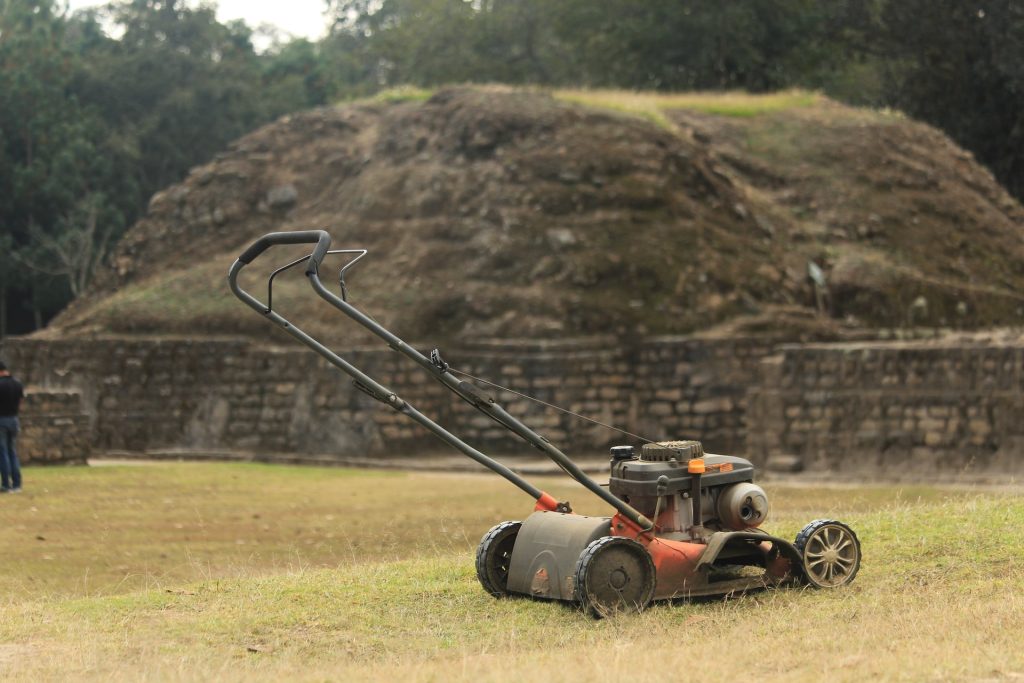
(404, 93)
(654, 105)
(397, 94)
(182, 296)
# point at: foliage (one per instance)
(77, 248)
(91, 126)
(54, 156)
(953, 64)
(958, 66)
(662, 44)
(176, 85)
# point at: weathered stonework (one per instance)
(892, 408)
(225, 394)
(54, 428)
(909, 408)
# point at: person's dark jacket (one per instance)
(11, 393)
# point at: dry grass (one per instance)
(366, 576)
(403, 93)
(650, 105)
(654, 105)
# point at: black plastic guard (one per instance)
(718, 542)
(546, 550)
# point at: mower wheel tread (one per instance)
(850, 565)
(589, 576)
(493, 556)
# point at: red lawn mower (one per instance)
(686, 523)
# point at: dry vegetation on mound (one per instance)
(499, 212)
(386, 589)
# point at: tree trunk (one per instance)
(3, 313)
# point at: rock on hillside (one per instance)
(493, 212)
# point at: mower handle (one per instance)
(485, 404)
(319, 237)
(363, 381)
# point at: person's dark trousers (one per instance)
(10, 468)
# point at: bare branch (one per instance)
(74, 254)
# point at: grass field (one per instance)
(249, 572)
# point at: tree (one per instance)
(77, 248)
(177, 84)
(662, 44)
(91, 126)
(7, 279)
(957, 65)
(517, 41)
(49, 142)
(421, 42)
(293, 77)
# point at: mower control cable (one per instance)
(644, 439)
(466, 391)
(546, 404)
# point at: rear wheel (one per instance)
(494, 557)
(830, 552)
(614, 574)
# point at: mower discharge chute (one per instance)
(686, 523)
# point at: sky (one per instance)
(301, 18)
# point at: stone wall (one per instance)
(230, 395)
(54, 427)
(900, 409)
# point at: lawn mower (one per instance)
(686, 523)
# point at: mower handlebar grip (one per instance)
(319, 237)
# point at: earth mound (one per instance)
(504, 213)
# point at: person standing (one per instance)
(11, 393)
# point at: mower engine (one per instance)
(701, 537)
(659, 484)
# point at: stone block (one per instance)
(669, 394)
(979, 427)
(712, 406)
(660, 409)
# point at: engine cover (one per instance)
(639, 477)
(636, 481)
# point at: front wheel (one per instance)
(830, 552)
(614, 574)
(494, 557)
